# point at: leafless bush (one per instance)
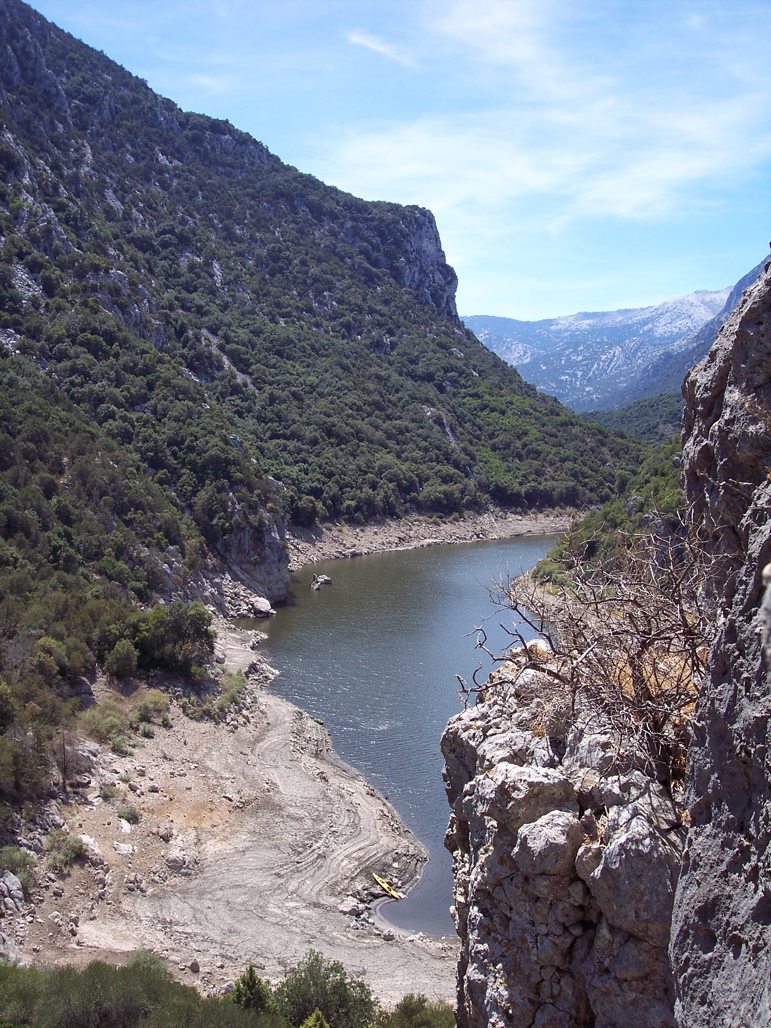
(626, 642)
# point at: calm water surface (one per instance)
(375, 656)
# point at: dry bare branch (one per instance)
(627, 640)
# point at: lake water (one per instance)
(375, 655)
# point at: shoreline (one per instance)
(256, 841)
(337, 540)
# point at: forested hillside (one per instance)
(655, 419)
(151, 255)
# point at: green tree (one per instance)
(122, 659)
(316, 1020)
(252, 992)
(319, 984)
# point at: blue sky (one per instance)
(577, 154)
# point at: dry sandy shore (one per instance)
(255, 843)
(344, 540)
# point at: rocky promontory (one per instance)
(565, 862)
(721, 934)
(587, 892)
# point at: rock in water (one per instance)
(721, 932)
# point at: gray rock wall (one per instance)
(258, 557)
(565, 862)
(721, 932)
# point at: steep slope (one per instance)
(599, 361)
(654, 419)
(721, 935)
(581, 897)
(320, 328)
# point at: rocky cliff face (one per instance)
(721, 934)
(566, 856)
(421, 265)
(409, 248)
(565, 861)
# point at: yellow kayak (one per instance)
(386, 887)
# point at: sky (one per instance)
(578, 155)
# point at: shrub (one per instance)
(129, 813)
(232, 687)
(320, 984)
(153, 706)
(65, 850)
(418, 1012)
(316, 1020)
(122, 659)
(108, 791)
(119, 744)
(627, 642)
(252, 992)
(140, 993)
(20, 863)
(108, 720)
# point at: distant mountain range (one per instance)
(607, 359)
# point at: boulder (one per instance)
(11, 894)
(549, 845)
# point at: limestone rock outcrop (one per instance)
(565, 863)
(11, 894)
(258, 557)
(574, 875)
(721, 932)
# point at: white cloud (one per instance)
(357, 37)
(620, 136)
(510, 31)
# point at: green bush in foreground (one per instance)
(252, 992)
(418, 1012)
(100, 996)
(324, 985)
(316, 1020)
(142, 994)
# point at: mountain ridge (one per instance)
(321, 328)
(604, 360)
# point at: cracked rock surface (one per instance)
(721, 932)
(564, 869)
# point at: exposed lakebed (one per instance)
(375, 656)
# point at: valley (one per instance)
(605, 361)
(220, 375)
